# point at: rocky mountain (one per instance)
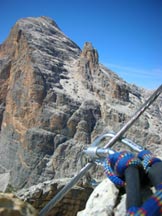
(56, 98)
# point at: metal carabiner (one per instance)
(94, 151)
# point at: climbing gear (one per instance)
(152, 207)
(133, 187)
(116, 164)
(147, 159)
(124, 170)
(126, 165)
(155, 174)
(96, 151)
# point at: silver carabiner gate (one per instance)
(94, 150)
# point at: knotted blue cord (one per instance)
(115, 165)
(147, 159)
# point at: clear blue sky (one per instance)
(126, 33)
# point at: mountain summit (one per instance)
(55, 98)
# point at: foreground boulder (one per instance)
(10, 205)
(102, 201)
(39, 195)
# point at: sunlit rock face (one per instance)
(56, 98)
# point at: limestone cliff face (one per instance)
(55, 98)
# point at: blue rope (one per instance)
(111, 175)
(115, 165)
(152, 207)
(147, 159)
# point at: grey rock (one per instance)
(102, 200)
(4, 181)
(39, 195)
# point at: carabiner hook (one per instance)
(128, 142)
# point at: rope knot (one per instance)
(147, 159)
(116, 164)
(122, 161)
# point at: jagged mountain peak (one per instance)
(39, 27)
(38, 21)
(40, 35)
